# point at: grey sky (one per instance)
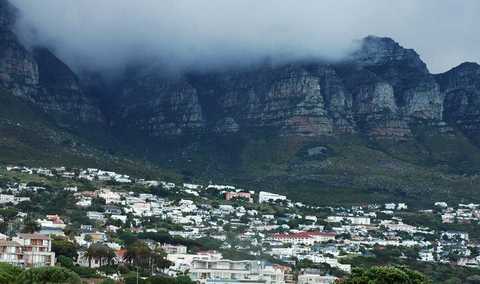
(203, 33)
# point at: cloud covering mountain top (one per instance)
(108, 34)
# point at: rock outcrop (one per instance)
(382, 90)
(461, 87)
(38, 76)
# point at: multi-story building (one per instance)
(305, 238)
(174, 249)
(316, 279)
(30, 250)
(11, 252)
(229, 271)
(245, 195)
(264, 196)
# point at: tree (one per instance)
(386, 275)
(65, 261)
(50, 275)
(140, 255)
(100, 252)
(8, 214)
(30, 226)
(474, 279)
(62, 246)
(9, 273)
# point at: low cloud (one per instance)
(199, 34)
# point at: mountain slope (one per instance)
(377, 126)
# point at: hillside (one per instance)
(376, 126)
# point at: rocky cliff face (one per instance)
(18, 70)
(382, 90)
(59, 91)
(461, 87)
(38, 76)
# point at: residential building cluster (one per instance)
(245, 221)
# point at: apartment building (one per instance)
(29, 250)
(229, 271)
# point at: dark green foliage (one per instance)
(48, 275)
(85, 272)
(65, 261)
(140, 255)
(100, 252)
(30, 226)
(439, 273)
(64, 247)
(9, 273)
(385, 275)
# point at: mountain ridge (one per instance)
(376, 125)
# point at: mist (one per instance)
(203, 34)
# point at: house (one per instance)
(229, 271)
(390, 206)
(308, 278)
(245, 195)
(36, 249)
(110, 196)
(11, 252)
(354, 220)
(52, 225)
(305, 238)
(96, 216)
(174, 249)
(314, 276)
(121, 218)
(269, 197)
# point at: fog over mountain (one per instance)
(199, 34)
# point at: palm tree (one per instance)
(138, 254)
(100, 252)
(30, 226)
(159, 259)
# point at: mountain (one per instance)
(374, 126)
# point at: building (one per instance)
(110, 197)
(308, 278)
(36, 250)
(174, 249)
(229, 271)
(11, 252)
(305, 238)
(245, 195)
(354, 220)
(52, 225)
(264, 196)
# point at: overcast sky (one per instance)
(202, 33)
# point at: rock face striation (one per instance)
(40, 77)
(381, 91)
(461, 88)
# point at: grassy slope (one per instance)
(353, 170)
(29, 137)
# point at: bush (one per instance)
(51, 275)
(66, 262)
(85, 272)
(9, 273)
(386, 274)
